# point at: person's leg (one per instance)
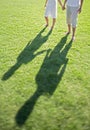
(73, 33)
(74, 21)
(68, 19)
(47, 22)
(53, 23)
(69, 29)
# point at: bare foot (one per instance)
(46, 25)
(73, 38)
(51, 27)
(67, 33)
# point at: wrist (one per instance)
(80, 7)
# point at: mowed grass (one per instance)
(44, 77)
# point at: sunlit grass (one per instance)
(44, 78)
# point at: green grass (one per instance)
(44, 78)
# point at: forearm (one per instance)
(81, 4)
(65, 3)
(60, 2)
(46, 2)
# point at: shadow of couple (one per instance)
(49, 75)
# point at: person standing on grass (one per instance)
(73, 7)
(51, 10)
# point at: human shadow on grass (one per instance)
(47, 78)
(28, 54)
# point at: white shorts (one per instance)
(72, 15)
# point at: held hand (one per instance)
(63, 7)
(79, 10)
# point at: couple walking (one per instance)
(73, 7)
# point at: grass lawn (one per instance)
(44, 77)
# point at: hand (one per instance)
(63, 7)
(79, 10)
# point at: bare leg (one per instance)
(69, 29)
(53, 23)
(46, 18)
(73, 33)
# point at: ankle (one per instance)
(46, 25)
(73, 38)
